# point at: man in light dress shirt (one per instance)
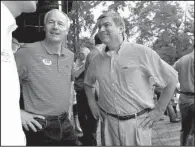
(126, 73)
(11, 126)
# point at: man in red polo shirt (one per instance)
(44, 69)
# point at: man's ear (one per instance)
(121, 27)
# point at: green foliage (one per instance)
(82, 18)
(161, 25)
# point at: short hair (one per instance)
(118, 20)
(97, 39)
(47, 14)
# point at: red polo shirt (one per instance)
(45, 78)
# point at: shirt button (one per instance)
(113, 84)
(115, 98)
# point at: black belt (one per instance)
(187, 93)
(57, 117)
(128, 116)
(48, 118)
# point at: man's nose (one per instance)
(55, 25)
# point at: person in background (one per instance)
(86, 119)
(11, 133)
(126, 73)
(185, 68)
(44, 69)
(75, 114)
(94, 51)
(170, 111)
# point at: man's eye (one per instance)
(61, 24)
(107, 25)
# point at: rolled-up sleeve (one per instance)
(161, 72)
(90, 76)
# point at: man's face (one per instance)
(56, 27)
(108, 31)
(28, 6)
(81, 56)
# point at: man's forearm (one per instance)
(90, 96)
(166, 95)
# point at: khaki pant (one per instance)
(116, 132)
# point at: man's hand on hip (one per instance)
(29, 122)
(153, 116)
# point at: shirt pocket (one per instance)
(128, 72)
(133, 76)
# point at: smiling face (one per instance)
(56, 27)
(108, 31)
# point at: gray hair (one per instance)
(67, 19)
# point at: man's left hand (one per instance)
(154, 115)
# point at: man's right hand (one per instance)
(92, 102)
(28, 121)
(96, 112)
